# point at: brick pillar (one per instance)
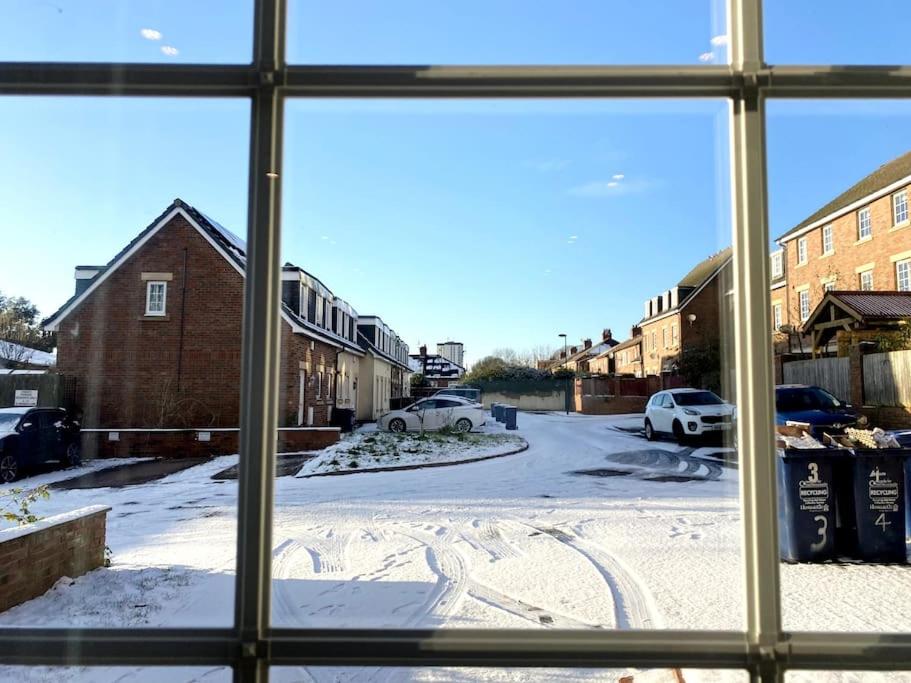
(856, 376)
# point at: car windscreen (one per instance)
(697, 398)
(809, 398)
(8, 421)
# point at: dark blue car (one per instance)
(823, 411)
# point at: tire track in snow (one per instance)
(632, 604)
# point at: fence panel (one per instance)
(53, 390)
(832, 374)
(887, 379)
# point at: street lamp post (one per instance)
(566, 395)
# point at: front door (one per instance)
(302, 396)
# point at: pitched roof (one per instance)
(885, 175)
(622, 345)
(703, 270)
(876, 305)
(595, 349)
(368, 345)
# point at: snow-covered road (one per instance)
(591, 527)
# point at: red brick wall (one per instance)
(31, 563)
(185, 443)
(848, 254)
(653, 359)
(610, 405)
(126, 364)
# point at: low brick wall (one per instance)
(184, 443)
(610, 405)
(34, 556)
(888, 417)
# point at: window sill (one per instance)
(155, 318)
(801, 264)
(864, 239)
(899, 226)
(828, 254)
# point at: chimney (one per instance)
(423, 349)
(587, 343)
(635, 331)
(607, 335)
(563, 354)
(573, 350)
(647, 311)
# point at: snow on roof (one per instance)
(23, 354)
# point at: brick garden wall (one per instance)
(185, 443)
(33, 557)
(610, 405)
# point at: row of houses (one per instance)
(839, 277)
(153, 337)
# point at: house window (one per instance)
(828, 244)
(866, 280)
(664, 337)
(899, 207)
(319, 385)
(776, 316)
(802, 250)
(654, 340)
(674, 334)
(864, 225)
(804, 300)
(828, 286)
(903, 276)
(156, 298)
(777, 265)
(311, 305)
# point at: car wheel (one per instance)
(679, 434)
(9, 468)
(397, 425)
(73, 455)
(462, 425)
(649, 430)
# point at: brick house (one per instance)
(153, 338)
(623, 359)
(687, 316)
(861, 240)
(579, 358)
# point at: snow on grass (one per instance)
(366, 450)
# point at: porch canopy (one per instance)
(856, 312)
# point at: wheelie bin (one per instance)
(806, 505)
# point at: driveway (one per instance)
(128, 475)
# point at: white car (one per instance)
(687, 412)
(460, 414)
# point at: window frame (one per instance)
(777, 264)
(904, 195)
(863, 223)
(802, 251)
(252, 645)
(777, 310)
(903, 266)
(149, 313)
(860, 280)
(803, 296)
(828, 235)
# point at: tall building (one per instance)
(452, 351)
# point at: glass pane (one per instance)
(116, 674)
(320, 674)
(841, 403)
(507, 32)
(121, 315)
(847, 677)
(167, 31)
(477, 233)
(845, 33)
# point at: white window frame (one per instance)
(776, 316)
(675, 338)
(803, 304)
(864, 224)
(777, 264)
(861, 276)
(903, 275)
(251, 645)
(164, 299)
(900, 207)
(828, 286)
(828, 239)
(802, 251)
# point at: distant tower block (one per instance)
(452, 351)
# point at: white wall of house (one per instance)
(347, 375)
(374, 387)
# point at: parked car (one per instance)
(685, 413)
(31, 436)
(823, 411)
(463, 392)
(460, 414)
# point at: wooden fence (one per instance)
(832, 374)
(53, 390)
(887, 379)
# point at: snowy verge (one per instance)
(372, 450)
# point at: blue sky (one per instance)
(494, 222)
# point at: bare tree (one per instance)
(13, 355)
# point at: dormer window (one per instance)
(302, 306)
(156, 297)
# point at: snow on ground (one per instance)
(42, 478)
(371, 449)
(592, 526)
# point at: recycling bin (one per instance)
(509, 417)
(806, 505)
(879, 486)
(493, 410)
(499, 414)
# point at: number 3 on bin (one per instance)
(823, 526)
(814, 472)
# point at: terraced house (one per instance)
(861, 240)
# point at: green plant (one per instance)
(17, 507)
